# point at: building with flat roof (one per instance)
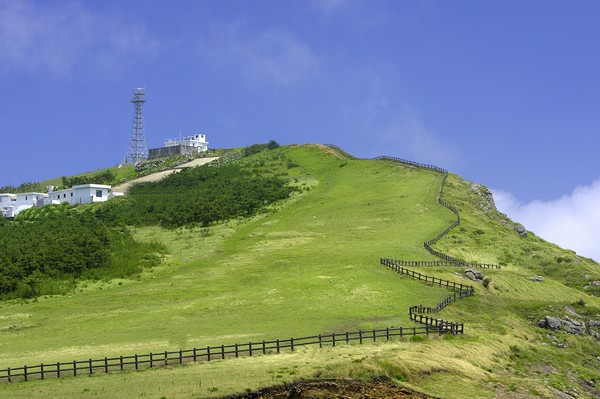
(12, 204)
(183, 146)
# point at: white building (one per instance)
(12, 204)
(81, 194)
(197, 141)
(7, 205)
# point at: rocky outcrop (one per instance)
(569, 325)
(573, 326)
(474, 275)
(486, 198)
(537, 279)
(552, 323)
(519, 228)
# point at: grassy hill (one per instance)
(310, 265)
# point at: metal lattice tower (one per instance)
(137, 144)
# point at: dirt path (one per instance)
(333, 389)
(122, 188)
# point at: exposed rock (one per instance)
(561, 394)
(519, 228)
(552, 323)
(487, 199)
(538, 279)
(573, 326)
(474, 274)
(594, 323)
(595, 283)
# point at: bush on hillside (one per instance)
(195, 196)
(58, 243)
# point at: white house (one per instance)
(12, 204)
(7, 205)
(81, 194)
(197, 141)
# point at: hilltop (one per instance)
(309, 264)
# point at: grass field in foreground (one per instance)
(311, 266)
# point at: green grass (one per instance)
(309, 266)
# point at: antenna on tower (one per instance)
(137, 144)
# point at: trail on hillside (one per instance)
(123, 188)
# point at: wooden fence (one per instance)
(440, 199)
(417, 313)
(206, 354)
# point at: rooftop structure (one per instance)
(182, 146)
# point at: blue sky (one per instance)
(504, 93)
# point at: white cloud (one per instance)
(58, 38)
(274, 56)
(573, 221)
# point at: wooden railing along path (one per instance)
(417, 313)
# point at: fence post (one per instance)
(208, 353)
(292, 343)
(180, 357)
(249, 348)
(333, 338)
(347, 338)
(278, 347)
(320, 341)
(25, 372)
(387, 333)
(121, 362)
(74, 368)
(237, 352)
(105, 364)
(136, 362)
(9, 376)
(360, 336)
(166, 358)
(264, 349)
(42, 370)
(90, 368)
(57, 369)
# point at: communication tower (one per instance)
(137, 144)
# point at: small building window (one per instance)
(65, 195)
(71, 194)
(98, 193)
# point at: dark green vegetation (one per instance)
(107, 176)
(196, 196)
(310, 265)
(46, 249)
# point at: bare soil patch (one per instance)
(380, 388)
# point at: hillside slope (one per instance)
(310, 266)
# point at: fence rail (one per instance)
(206, 354)
(440, 199)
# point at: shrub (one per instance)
(486, 282)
